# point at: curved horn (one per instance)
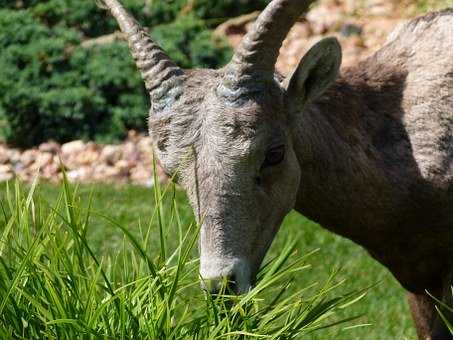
(163, 79)
(259, 49)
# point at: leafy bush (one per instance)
(221, 10)
(86, 16)
(52, 285)
(53, 88)
(188, 42)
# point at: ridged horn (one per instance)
(163, 78)
(258, 51)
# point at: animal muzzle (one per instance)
(225, 275)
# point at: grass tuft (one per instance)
(54, 285)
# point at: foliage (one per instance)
(86, 16)
(53, 88)
(188, 42)
(222, 10)
(53, 285)
(384, 307)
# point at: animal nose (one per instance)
(231, 276)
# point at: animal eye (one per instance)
(274, 156)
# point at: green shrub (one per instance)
(53, 88)
(223, 10)
(189, 43)
(92, 21)
(84, 16)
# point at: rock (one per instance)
(58, 162)
(51, 147)
(123, 166)
(294, 46)
(83, 174)
(50, 172)
(28, 157)
(353, 48)
(24, 175)
(14, 156)
(6, 176)
(111, 154)
(142, 176)
(131, 152)
(42, 160)
(129, 148)
(4, 158)
(324, 18)
(292, 53)
(77, 154)
(6, 168)
(87, 157)
(6, 173)
(92, 146)
(111, 171)
(145, 145)
(381, 8)
(73, 147)
(105, 172)
(130, 161)
(351, 6)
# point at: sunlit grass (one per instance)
(53, 284)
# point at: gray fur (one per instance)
(369, 157)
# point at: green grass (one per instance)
(132, 208)
(53, 284)
(423, 6)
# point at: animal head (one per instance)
(227, 135)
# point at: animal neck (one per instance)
(337, 144)
(360, 177)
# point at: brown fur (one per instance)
(376, 153)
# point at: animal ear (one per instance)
(315, 72)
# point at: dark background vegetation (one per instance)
(53, 85)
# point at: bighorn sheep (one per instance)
(367, 153)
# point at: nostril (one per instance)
(225, 276)
(258, 180)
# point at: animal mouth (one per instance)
(217, 277)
